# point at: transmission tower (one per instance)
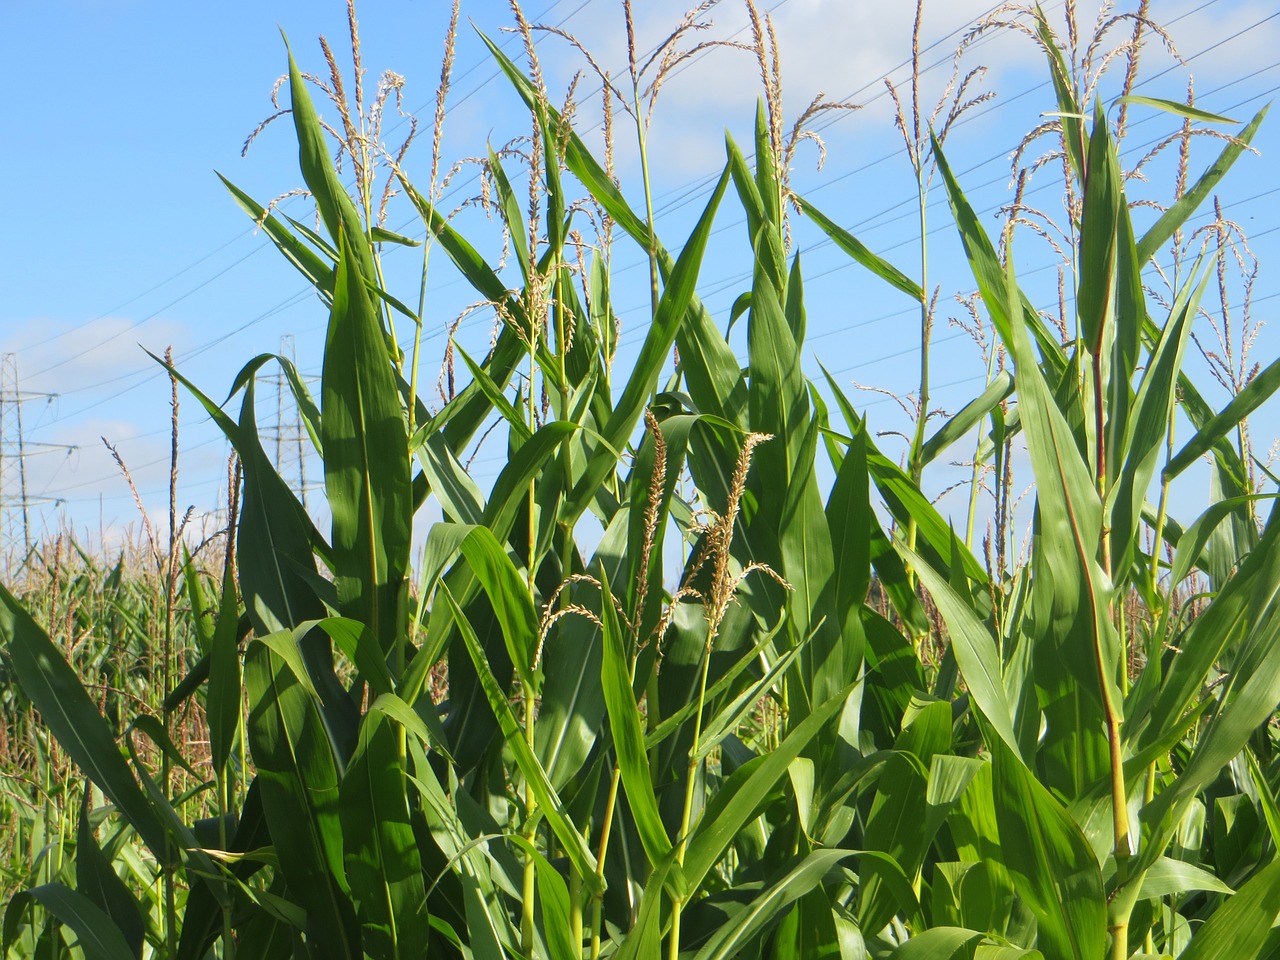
(288, 432)
(16, 499)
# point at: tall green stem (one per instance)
(641, 141)
(916, 462)
(677, 905)
(532, 311)
(529, 885)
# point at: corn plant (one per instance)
(543, 744)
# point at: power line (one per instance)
(307, 290)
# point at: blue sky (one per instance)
(121, 234)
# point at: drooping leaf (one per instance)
(96, 934)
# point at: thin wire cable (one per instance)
(292, 300)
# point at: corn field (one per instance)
(704, 674)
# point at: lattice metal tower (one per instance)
(16, 499)
(288, 432)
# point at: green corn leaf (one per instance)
(849, 520)
(1184, 110)
(509, 595)
(201, 606)
(1234, 611)
(425, 725)
(968, 417)
(336, 207)
(1252, 691)
(1121, 357)
(899, 892)
(465, 257)
(728, 718)
(1078, 651)
(96, 934)
(202, 912)
(308, 411)
(1052, 864)
(1168, 877)
(1191, 544)
(1266, 796)
(553, 903)
(895, 828)
(298, 775)
(816, 927)
(383, 235)
(97, 880)
(155, 730)
(366, 466)
(481, 885)
(678, 713)
(767, 170)
(748, 191)
(223, 704)
(717, 829)
(511, 488)
(275, 537)
(459, 496)
(1152, 409)
(549, 804)
(1240, 926)
(512, 215)
(1070, 111)
(859, 252)
(515, 422)
(317, 270)
(1178, 214)
(628, 737)
(1258, 391)
(1095, 295)
(360, 646)
(902, 496)
(731, 938)
(937, 943)
(808, 564)
(276, 545)
(464, 414)
(380, 853)
(224, 422)
(1006, 312)
(779, 398)
(644, 940)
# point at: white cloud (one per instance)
(72, 359)
(846, 48)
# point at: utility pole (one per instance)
(16, 500)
